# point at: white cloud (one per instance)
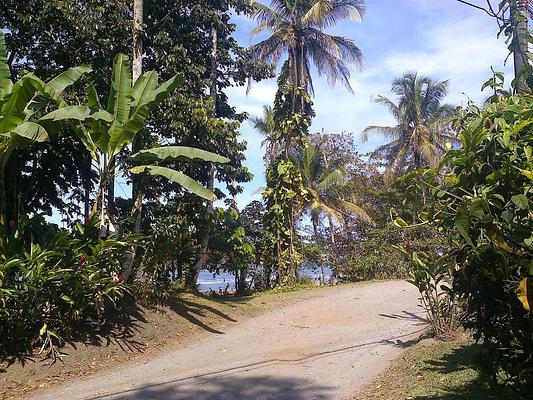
(261, 93)
(461, 52)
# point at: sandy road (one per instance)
(326, 347)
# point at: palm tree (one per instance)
(328, 194)
(422, 129)
(265, 126)
(296, 28)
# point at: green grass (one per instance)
(438, 371)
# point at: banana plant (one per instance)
(23, 122)
(112, 129)
(151, 159)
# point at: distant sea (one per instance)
(206, 280)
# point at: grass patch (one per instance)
(437, 370)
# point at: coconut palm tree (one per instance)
(297, 30)
(265, 126)
(328, 194)
(422, 129)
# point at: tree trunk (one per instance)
(331, 229)
(520, 44)
(315, 232)
(137, 65)
(204, 241)
(3, 201)
(111, 190)
(137, 70)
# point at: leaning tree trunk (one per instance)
(204, 241)
(520, 44)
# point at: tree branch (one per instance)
(490, 11)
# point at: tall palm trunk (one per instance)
(204, 241)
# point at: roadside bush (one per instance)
(433, 276)
(486, 202)
(46, 291)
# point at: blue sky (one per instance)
(440, 38)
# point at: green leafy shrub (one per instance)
(433, 276)
(47, 291)
(486, 202)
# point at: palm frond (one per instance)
(331, 180)
(324, 14)
(355, 210)
(392, 132)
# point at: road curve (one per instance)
(325, 347)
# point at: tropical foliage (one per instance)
(328, 192)
(459, 180)
(422, 132)
(48, 290)
(297, 31)
(266, 127)
(487, 200)
(24, 120)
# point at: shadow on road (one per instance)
(193, 311)
(178, 388)
(230, 388)
(408, 316)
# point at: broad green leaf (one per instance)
(128, 131)
(31, 131)
(143, 88)
(526, 173)
(67, 299)
(57, 85)
(507, 216)
(528, 151)
(38, 102)
(43, 330)
(176, 152)
(119, 102)
(78, 113)
(5, 76)
(92, 97)
(13, 110)
(162, 92)
(177, 177)
(521, 201)
(477, 208)
(462, 223)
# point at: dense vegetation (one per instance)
(78, 120)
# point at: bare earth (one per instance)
(325, 347)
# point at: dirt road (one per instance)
(321, 348)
